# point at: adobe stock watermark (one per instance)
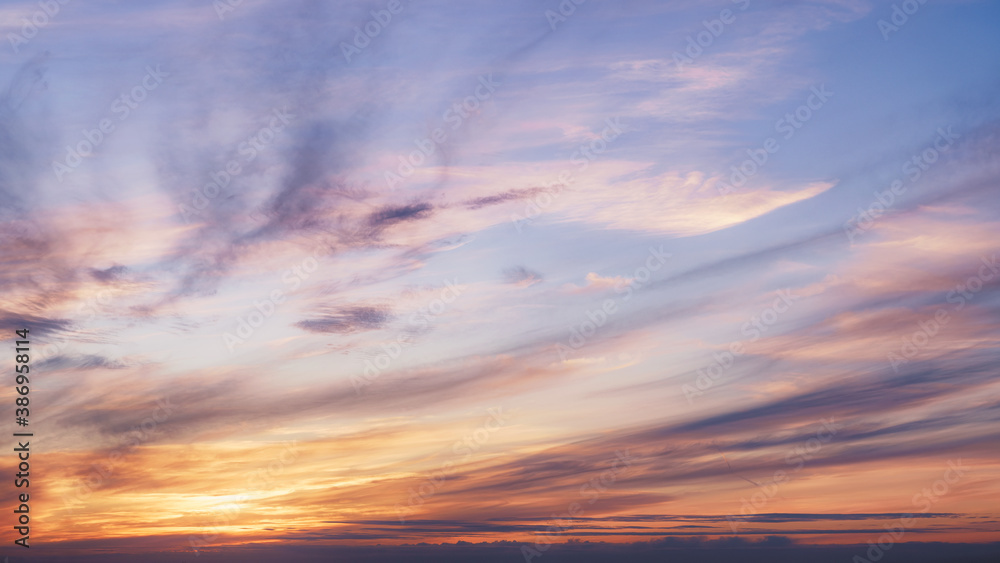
(392, 350)
(122, 106)
(466, 447)
(566, 9)
(580, 158)
(364, 35)
(265, 308)
(711, 375)
(127, 444)
(456, 115)
(913, 168)
(589, 491)
(795, 458)
(39, 20)
(223, 7)
(92, 306)
(923, 500)
(788, 125)
(702, 40)
(598, 317)
(248, 149)
(900, 15)
(929, 328)
(260, 479)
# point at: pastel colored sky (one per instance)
(289, 283)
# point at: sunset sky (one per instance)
(521, 271)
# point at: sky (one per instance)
(304, 276)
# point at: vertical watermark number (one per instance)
(21, 413)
